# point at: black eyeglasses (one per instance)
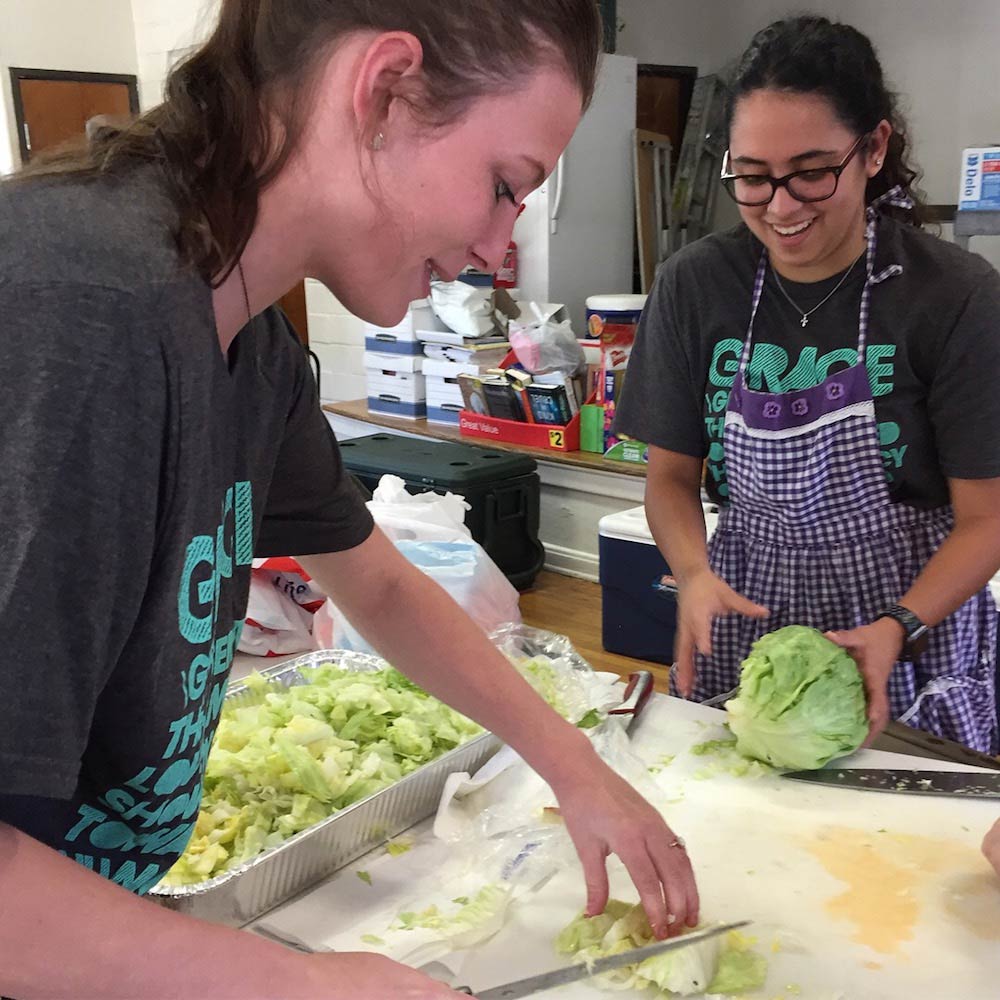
(815, 184)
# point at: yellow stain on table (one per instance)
(892, 878)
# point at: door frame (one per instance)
(19, 73)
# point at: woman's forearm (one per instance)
(66, 932)
(674, 511)
(961, 567)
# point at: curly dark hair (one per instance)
(808, 54)
(212, 136)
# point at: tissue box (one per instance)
(980, 189)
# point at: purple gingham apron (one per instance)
(811, 533)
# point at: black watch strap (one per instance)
(914, 631)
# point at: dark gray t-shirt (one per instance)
(933, 355)
(141, 472)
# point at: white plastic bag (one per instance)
(430, 532)
(465, 309)
(426, 517)
(543, 341)
(280, 609)
(461, 568)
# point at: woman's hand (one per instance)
(606, 815)
(991, 846)
(702, 598)
(875, 648)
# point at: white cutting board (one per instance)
(867, 896)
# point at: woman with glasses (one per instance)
(833, 370)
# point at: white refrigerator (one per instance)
(576, 237)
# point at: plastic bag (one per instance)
(546, 342)
(280, 609)
(462, 568)
(426, 517)
(465, 309)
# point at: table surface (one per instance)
(849, 891)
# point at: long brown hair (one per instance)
(211, 133)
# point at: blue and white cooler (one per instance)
(638, 593)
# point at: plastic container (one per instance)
(617, 310)
(502, 488)
(638, 595)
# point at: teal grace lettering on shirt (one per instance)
(772, 369)
(155, 811)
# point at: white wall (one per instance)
(89, 36)
(678, 32)
(164, 29)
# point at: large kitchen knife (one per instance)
(574, 973)
(970, 784)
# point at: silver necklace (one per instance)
(805, 315)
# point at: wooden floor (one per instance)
(572, 607)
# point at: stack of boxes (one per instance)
(412, 369)
(394, 360)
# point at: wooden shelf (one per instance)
(358, 410)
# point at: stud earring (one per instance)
(378, 142)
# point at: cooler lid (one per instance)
(631, 525)
(448, 464)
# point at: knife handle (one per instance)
(637, 694)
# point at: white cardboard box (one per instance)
(420, 316)
(441, 392)
(375, 361)
(407, 387)
(452, 369)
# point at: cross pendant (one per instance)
(805, 320)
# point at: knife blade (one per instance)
(969, 784)
(581, 970)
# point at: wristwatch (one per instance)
(914, 631)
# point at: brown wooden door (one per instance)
(662, 101)
(54, 110)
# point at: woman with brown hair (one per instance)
(158, 428)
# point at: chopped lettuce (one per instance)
(714, 966)
(474, 920)
(561, 688)
(292, 756)
(395, 848)
(801, 701)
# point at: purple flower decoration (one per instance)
(772, 410)
(835, 390)
(800, 407)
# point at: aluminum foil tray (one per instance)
(241, 895)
